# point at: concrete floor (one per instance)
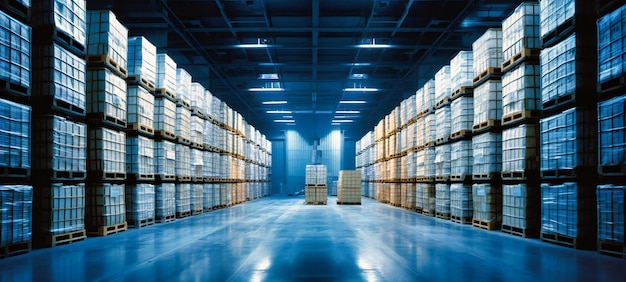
(282, 239)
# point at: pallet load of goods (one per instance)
(315, 188)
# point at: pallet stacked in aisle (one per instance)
(486, 131)
(315, 188)
(165, 202)
(349, 187)
(60, 132)
(461, 203)
(106, 53)
(611, 130)
(521, 110)
(165, 98)
(568, 132)
(15, 225)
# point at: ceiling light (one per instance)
(260, 43)
(341, 120)
(278, 112)
(284, 120)
(352, 102)
(334, 123)
(287, 116)
(268, 76)
(373, 45)
(360, 89)
(359, 76)
(274, 102)
(359, 64)
(348, 112)
(344, 117)
(263, 89)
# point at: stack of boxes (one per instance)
(442, 149)
(59, 133)
(486, 131)
(521, 109)
(568, 138)
(16, 191)
(611, 129)
(106, 112)
(140, 145)
(315, 189)
(165, 158)
(349, 187)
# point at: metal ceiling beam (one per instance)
(174, 22)
(308, 47)
(229, 24)
(306, 29)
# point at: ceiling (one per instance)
(314, 48)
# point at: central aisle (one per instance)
(282, 239)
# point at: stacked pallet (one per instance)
(107, 52)
(60, 133)
(315, 189)
(349, 187)
(611, 148)
(521, 109)
(568, 132)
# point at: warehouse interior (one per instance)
(314, 140)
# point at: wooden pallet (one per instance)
(442, 103)
(197, 112)
(49, 33)
(559, 239)
(108, 230)
(520, 175)
(424, 179)
(521, 117)
(486, 225)
(53, 240)
(133, 177)
(197, 145)
(460, 135)
(486, 125)
(559, 102)
(348, 203)
(49, 174)
(489, 73)
(141, 223)
(424, 113)
(164, 178)
(616, 249)
(165, 219)
(104, 60)
(15, 8)
(104, 119)
(164, 135)
(440, 215)
(183, 178)
(461, 177)
(529, 55)
(141, 81)
(137, 127)
(183, 140)
(14, 172)
(442, 178)
(428, 213)
(316, 203)
(15, 249)
(559, 33)
(197, 212)
(442, 140)
(164, 93)
(183, 214)
(486, 176)
(14, 89)
(182, 103)
(98, 175)
(612, 170)
(559, 173)
(461, 220)
(521, 232)
(49, 104)
(463, 91)
(611, 85)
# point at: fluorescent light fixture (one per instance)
(373, 45)
(360, 89)
(260, 43)
(274, 102)
(352, 102)
(287, 116)
(278, 112)
(263, 89)
(284, 120)
(334, 123)
(348, 112)
(268, 76)
(341, 120)
(344, 117)
(359, 76)
(359, 64)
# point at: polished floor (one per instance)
(282, 239)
